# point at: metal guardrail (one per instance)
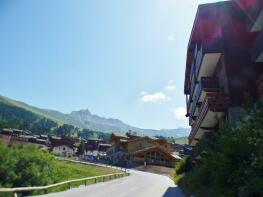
(17, 190)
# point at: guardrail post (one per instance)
(86, 183)
(95, 180)
(69, 186)
(14, 194)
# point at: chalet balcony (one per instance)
(257, 48)
(205, 62)
(208, 57)
(260, 86)
(211, 110)
(206, 85)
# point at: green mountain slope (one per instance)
(81, 119)
(12, 115)
(18, 104)
(53, 115)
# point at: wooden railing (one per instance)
(69, 183)
(216, 102)
(208, 84)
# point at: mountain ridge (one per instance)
(86, 120)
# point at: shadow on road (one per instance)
(173, 192)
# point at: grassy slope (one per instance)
(71, 170)
(56, 116)
(24, 106)
(182, 140)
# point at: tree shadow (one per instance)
(173, 192)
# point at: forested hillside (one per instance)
(20, 115)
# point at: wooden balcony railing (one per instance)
(216, 102)
(207, 84)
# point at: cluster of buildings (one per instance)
(183, 150)
(132, 150)
(224, 65)
(123, 150)
(95, 150)
(60, 146)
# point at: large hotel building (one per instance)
(224, 64)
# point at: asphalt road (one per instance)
(138, 184)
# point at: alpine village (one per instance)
(221, 155)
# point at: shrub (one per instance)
(183, 166)
(233, 166)
(25, 166)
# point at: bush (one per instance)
(25, 166)
(233, 166)
(183, 166)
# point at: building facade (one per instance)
(62, 146)
(224, 64)
(20, 137)
(134, 150)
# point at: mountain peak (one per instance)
(85, 119)
(82, 112)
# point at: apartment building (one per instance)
(224, 64)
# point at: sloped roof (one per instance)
(105, 145)
(159, 149)
(58, 141)
(94, 139)
(6, 132)
(120, 135)
(176, 157)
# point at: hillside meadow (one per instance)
(30, 166)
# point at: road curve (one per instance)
(138, 184)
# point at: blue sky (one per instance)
(121, 58)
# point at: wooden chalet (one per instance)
(138, 150)
(62, 146)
